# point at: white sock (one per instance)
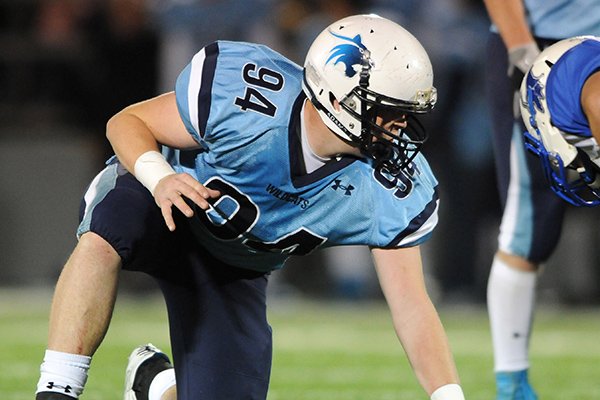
(63, 373)
(162, 382)
(510, 300)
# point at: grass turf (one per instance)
(322, 350)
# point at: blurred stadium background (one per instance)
(67, 65)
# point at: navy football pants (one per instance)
(220, 337)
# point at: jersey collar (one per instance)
(299, 177)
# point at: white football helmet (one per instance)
(566, 161)
(371, 66)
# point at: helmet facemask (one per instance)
(392, 150)
(577, 182)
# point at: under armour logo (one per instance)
(338, 185)
(66, 389)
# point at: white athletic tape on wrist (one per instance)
(150, 168)
(451, 391)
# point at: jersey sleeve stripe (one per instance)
(193, 89)
(202, 72)
(420, 228)
(205, 95)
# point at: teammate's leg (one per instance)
(529, 232)
(510, 353)
(511, 301)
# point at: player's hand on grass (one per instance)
(171, 190)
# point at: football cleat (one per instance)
(514, 385)
(52, 396)
(145, 362)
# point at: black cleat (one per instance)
(145, 362)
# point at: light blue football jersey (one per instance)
(565, 83)
(560, 19)
(242, 103)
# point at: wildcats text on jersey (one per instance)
(286, 196)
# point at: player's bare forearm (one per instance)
(509, 18)
(129, 137)
(415, 319)
(141, 127)
(422, 335)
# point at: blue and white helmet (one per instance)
(371, 65)
(571, 165)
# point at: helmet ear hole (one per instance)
(332, 98)
(334, 102)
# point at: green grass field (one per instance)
(322, 350)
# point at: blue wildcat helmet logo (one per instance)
(535, 95)
(349, 54)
